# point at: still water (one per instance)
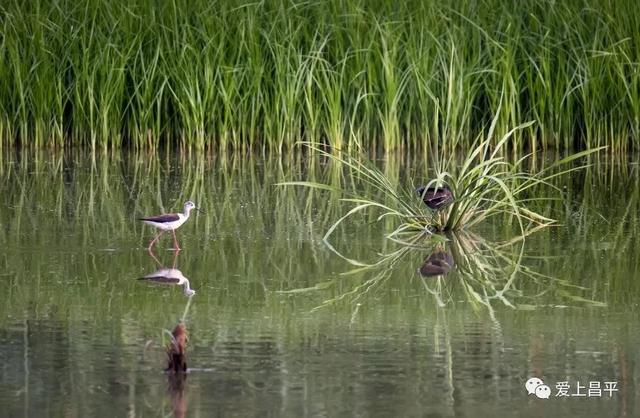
(280, 325)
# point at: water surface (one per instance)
(276, 328)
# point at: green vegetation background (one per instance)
(236, 74)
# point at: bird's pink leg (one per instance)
(175, 241)
(175, 259)
(155, 239)
(155, 258)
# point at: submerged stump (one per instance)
(177, 350)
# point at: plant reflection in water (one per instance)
(460, 266)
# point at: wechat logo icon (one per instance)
(537, 387)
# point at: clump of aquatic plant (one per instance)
(488, 184)
(485, 184)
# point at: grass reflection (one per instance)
(71, 219)
(477, 271)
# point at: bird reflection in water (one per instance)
(438, 263)
(169, 276)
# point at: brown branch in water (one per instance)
(176, 370)
(177, 350)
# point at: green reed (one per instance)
(264, 75)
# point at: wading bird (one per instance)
(169, 222)
(434, 197)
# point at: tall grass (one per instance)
(392, 75)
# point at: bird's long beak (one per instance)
(199, 210)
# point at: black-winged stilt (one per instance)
(169, 222)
